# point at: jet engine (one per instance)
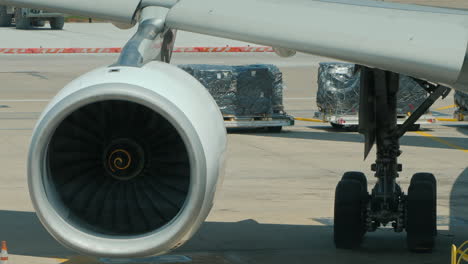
(125, 161)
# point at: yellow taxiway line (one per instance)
(321, 121)
(447, 107)
(309, 120)
(447, 119)
(445, 142)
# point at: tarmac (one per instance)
(276, 203)
(85, 35)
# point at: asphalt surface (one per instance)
(96, 35)
(460, 4)
(276, 204)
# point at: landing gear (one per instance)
(357, 211)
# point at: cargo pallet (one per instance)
(268, 121)
(27, 18)
(353, 120)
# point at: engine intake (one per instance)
(119, 167)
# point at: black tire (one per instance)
(349, 222)
(5, 19)
(337, 126)
(420, 221)
(21, 21)
(428, 177)
(39, 23)
(275, 129)
(357, 176)
(415, 127)
(57, 23)
(424, 176)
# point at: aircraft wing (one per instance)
(424, 42)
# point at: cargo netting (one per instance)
(250, 90)
(461, 100)
(339, 84)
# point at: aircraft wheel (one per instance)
(415, 127)
(337, 126)
(428, 177)
(39, 23)
(357, 176)
(424, 176)
(420, 220)
(349, 221)
(57, 23)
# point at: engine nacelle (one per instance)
(124, 162)
(283, 52)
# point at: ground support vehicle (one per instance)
(26, 18)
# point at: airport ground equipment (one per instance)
(26, 18)
(338, 97)
(249, 96)
(461, 101)
(358, 211)
(460, 254)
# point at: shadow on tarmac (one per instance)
(32, 28)
(463, 130)
(249, 241)
(331, 134)
(252, 242)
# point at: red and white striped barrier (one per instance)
(118, 50)
(59, 50)
(225, 49)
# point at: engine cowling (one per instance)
(283, 52)
(124, 162)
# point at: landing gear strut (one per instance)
(356, 210)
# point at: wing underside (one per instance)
(424, 42)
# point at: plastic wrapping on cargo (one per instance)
(338, 90)
(461, 100)
(410, 96)
(251, 90)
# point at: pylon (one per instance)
(4, 253)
